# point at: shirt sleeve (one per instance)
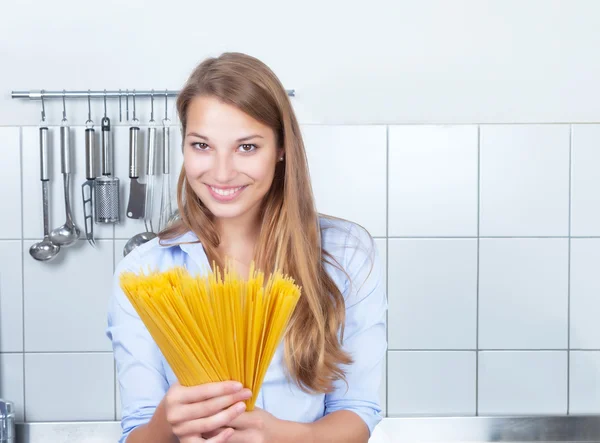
(140, 372)
(365, 331)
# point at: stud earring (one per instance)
(280, 159)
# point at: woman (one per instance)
(244, 194)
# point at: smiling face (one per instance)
(229, 158)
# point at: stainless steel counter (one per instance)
(391, 430)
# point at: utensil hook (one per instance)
(64, 119)
(43, 107)
(135, 120)
(152, 107)
(89, 121)
(105, 103)
(166, 119)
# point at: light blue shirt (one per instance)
(144, 375)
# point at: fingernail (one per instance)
(240, 407)
(237, 385)
(247, 392)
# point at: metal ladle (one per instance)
(144, 237)
(44, 250)
(68, 233)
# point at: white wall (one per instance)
(377, 62)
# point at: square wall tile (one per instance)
(524, 180)
(32, 187)
(10, 181)
(128, 227)
(11, 296)
(433, 180)
(585, 286)
(355, 187)
(118, 256)
(432, 293)
(584, 385)
(69, 387)
(68, 294)
(585, 180)
(523, 293)
(11, 382)
(431, 383)
(522, 382)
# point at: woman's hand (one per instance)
(197, 410)
(257, 426)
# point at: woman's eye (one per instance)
(247, 147)
(200, 146)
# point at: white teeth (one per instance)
(226, 192)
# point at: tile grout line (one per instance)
(477, 271)
(387, 262)
(569, 276)
(22, 266)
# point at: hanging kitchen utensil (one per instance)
(106, 187)
(137, 190)
(165, 200)
(144, 237)
(150, 169)
(88, 203)
(44, 250)
(68, 233)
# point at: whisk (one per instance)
(165, 201)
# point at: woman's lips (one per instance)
(225, 194)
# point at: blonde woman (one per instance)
(244, 194)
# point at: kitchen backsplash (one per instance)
(490, 234)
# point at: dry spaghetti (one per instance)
(213, 327)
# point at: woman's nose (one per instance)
(224, 170)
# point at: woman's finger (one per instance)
(222, 436)
(193, 411)
(208, 424)
(194, 394)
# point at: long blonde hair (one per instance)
(290, 236)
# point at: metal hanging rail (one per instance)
(39, 94)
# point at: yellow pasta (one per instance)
(214, 327)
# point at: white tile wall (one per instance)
(585, 198)
(585, 286)
(11, 382)
(433, 302)
(524, 180)
(522, 382)
(10, 183)
(523, 293)
(431, 383)
(66, 295)
(433, 180)
(584, 388)
(472, 223)
(348, 165)
(11, 296)
(75, 386)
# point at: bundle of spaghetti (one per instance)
(214, 327)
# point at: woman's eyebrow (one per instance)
(239, 140)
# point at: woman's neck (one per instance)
(238, 237)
